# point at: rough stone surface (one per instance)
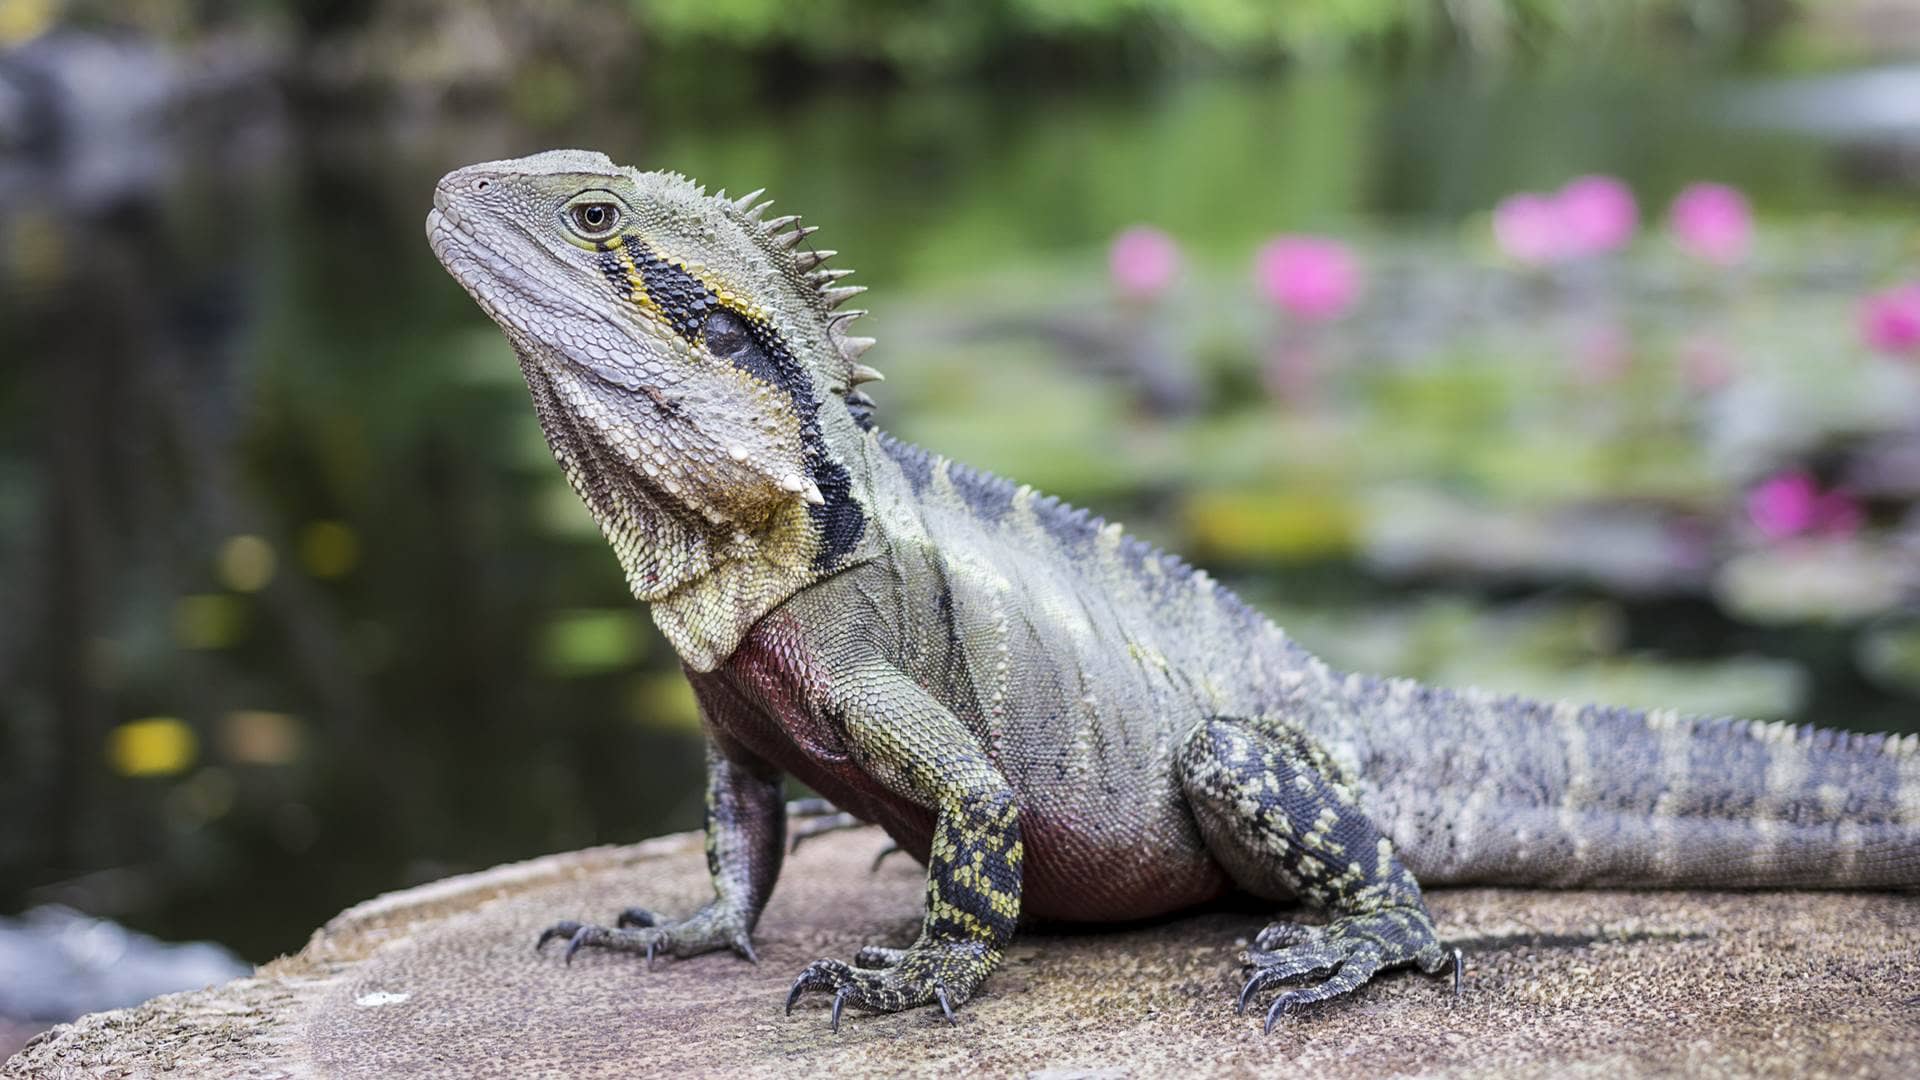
(442, 980)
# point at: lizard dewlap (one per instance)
(1058, 720)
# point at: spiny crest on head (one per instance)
(780, 236)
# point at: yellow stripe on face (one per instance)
(737, 302)
(636, 285)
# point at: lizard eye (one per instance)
(595, 220)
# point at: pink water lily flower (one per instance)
(1527, 228)
(1591, 215)
(1597, 214)
(1712, 222)
(1890, 320)
(1312, 278)
(1792, 503)
(1143, 261)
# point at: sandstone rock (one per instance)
(443, 980)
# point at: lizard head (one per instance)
(685, 356)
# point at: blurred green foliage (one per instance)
(919, 40)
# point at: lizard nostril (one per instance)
(480, 185)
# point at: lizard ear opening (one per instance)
(725, 335)
(734, 340)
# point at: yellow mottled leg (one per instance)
(1281, 817)
(973, 903)
(908, 741)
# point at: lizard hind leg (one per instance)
(1283, 820)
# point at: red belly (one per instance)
(768, 698)
(1069, 879)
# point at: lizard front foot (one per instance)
(641, 931)
(890, 980)
(1348, 951)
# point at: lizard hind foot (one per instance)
(1348, 951)
(638, 930)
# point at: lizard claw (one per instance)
(1284, 1005)
(579, 938)
(912, 977)
(638, 930)
(840, 997)
(1278, 967)
(1247, 992)
(1345, 954)
(564, 929)
(1354, 972)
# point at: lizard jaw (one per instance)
(482, 271)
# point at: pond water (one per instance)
(300, 609)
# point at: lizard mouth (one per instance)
(471, 261)
(495, 280)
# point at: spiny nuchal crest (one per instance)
(683, 353)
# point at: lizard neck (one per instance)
(707, 580)
(752, 574)
(732, 577)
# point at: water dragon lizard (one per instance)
(1056, 719)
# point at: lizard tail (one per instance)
(1475, 787)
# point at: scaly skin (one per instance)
(1054, 718)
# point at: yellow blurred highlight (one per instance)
(329, 549)
(258, 737)
(23, 20)
(665, 702)
(590, 641)
(245, 563)
(1270, 525)
(208, 621)
(154, 746)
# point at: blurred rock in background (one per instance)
(56, 964)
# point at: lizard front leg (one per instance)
(914, 746)
(1283, 819)
(746, 832)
